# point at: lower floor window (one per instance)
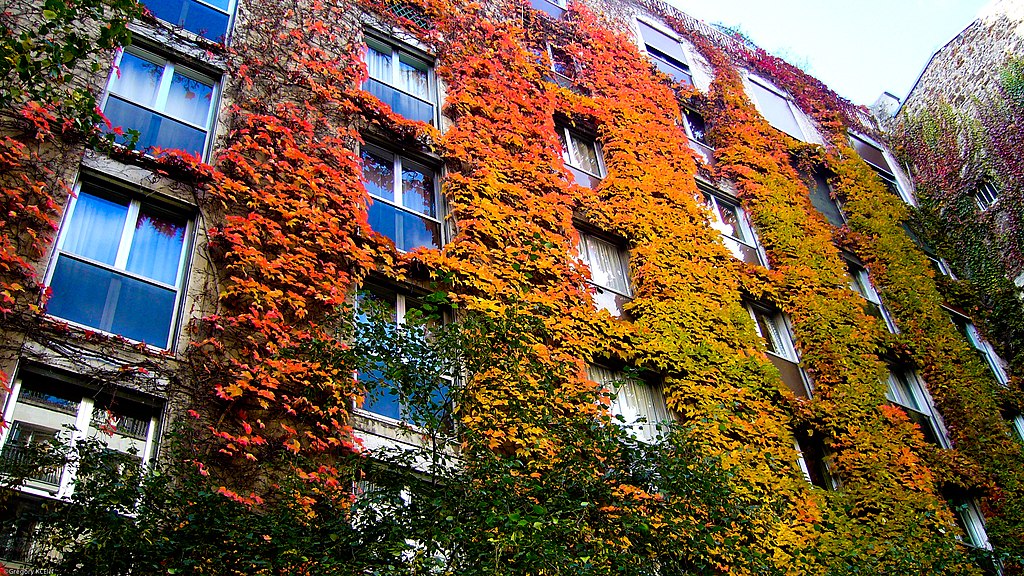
(636, 404)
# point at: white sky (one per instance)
(859, 49)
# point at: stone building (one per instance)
(702, 234)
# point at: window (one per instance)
(772, 327)
(563, 67)
(860, 282)
(385, 397)
(986, 195)
(120, 265)
(42, 409)
(666, 54)
(988, 355)
(971, 523)
(170, 106)
(609, 272)
(638, 405)
(815, 461)
(583, 157)
(405, 199)
(907, 392)
(776, 109)
(737, 234)
(875, 157)
(823, 201)
(553, 8)
(403, 81)
(207, 18)
(696, 128)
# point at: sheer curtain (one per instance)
(189, 100)
(137, 79)
(156, 247)
(378, 64)
(95, 228)
(607, 265)
(640, 404)
(414, 80)
(586, 154)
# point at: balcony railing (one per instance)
(21, 456)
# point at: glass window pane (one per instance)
(585, 154)
(137, 79)
(777, 111)
(155, 130)
(378, 64)
(732, 225)
(189, 100)
(607, 264)
(108, 301)
(207, 19)
(95, 228)
(769, 332)
(156, 246)
(380, 395)
(413, 78)
(379, 174)
(407, 230)
(418, 190)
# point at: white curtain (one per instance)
(379, 64)
(95, 228)
(137, 79)
(156, 247)
(414, 80)
(585, 153)
(640, 404)
(607, 264)
(189, 100)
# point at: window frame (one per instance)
(136, 202)
(887, 173)
(823, 465)
(860, 284)
(777, 322)
(170, 67)
(401, 310)
(397, 162)
(83, 427)
(648, 46)
(794, 110)
(230, 12)
(718, 224)
(647, 431)
(623, 260)
(919, 396)
(398, 53)
(566, 135)
(986, 196)
(976, 341)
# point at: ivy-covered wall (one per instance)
(285, 211)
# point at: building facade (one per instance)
(692, 238)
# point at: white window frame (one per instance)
(793, 109)
(860, 283)
(83, 419)
(569, 156)
(396, 189)
(986, 196)
(164, 89)
(401, 308)
(718, 223)
(976, 341)
(123, 252)
(974, 521)
(920, 396)
(887, 173)
(399, 52)
(674, 62)
(783, 342)
(623, 254)
(647, 431)
(230, 13)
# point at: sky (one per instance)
(859, 49)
